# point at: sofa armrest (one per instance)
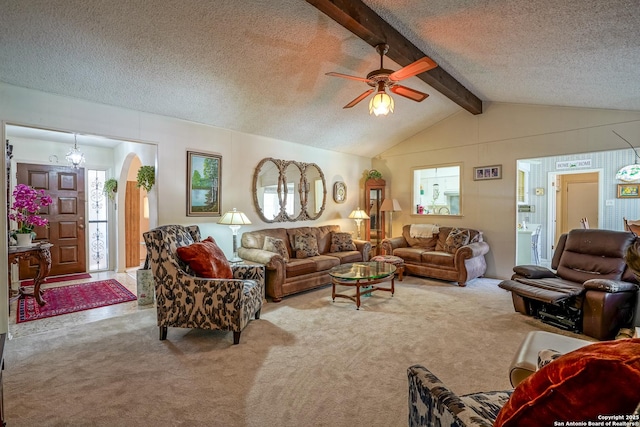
(248, 272)
(431, 403)
(533, 272)
(611, 286)
(472, 250)
(364, 247)
(260, 256)
(388, 245)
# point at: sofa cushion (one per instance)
(206, 259)
(323, 234)
(597, 379)
(305, 245)
(410, 254)
(299, 267)
(348, 256)
(442, 238)
(325, 262)
(442, 259)
(341, 242)
(278, 246)
(419, 242)
(456, 239)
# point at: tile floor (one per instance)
(128, 279)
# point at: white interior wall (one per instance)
(240, 154)
(501, 135)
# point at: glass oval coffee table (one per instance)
(361, 274)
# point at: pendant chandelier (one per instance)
(631, 172)
(75, 157)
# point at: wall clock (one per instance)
(339, 192)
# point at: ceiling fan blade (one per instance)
(413, 69)
(407, 92)
(346, 76)
(359, 98)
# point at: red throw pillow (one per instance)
(599, 379)
(206, 259)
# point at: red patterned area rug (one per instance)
(72, 298)
(55, 279)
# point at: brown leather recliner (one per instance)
(592, 291)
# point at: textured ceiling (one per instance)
(258, 66)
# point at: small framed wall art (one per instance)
(487, 172)
(204, 171)
(339, 192)
(628, 191)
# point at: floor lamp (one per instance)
(234, 219)
(358, 215)
(391, 206)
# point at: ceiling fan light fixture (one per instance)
(381, 104)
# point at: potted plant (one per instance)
(27, 203)
(110, 188)
(146, 177)
(374, 174)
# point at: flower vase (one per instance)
(23, 239)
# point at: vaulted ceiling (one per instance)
(258, 66)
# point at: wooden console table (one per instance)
(41, 254)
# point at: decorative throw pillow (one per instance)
(601, 378)
(278, 246)
(305, 245)
(206, 259)
(456, 239)
(341, 242)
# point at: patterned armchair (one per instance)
(431, 403)
(186, 301)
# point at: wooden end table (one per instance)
(361, 274)
(39, 253)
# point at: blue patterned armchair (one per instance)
(431, 403)
(184, 300)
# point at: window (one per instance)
(98, 221)
(437, 190)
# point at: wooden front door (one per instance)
(66, 215)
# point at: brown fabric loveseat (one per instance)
(440, 256)
(592, 290)
(292, 271)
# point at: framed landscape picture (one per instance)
(204, 171)
(628, 191)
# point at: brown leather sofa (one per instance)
(429, 257)
(592, 290)
(287, 277)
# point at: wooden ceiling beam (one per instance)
(362, 21)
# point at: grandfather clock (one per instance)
(374, 227)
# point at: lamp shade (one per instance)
(390, 205)
(358, 214)
(381, 104)
(234, 217)
(629, 173)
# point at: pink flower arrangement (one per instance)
(26, 206)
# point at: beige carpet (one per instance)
(306, 362)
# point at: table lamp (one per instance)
(391, 206)
(358, 215)
(234, 219)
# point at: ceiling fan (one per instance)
(383, 78)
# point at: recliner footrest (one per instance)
(540, 290)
